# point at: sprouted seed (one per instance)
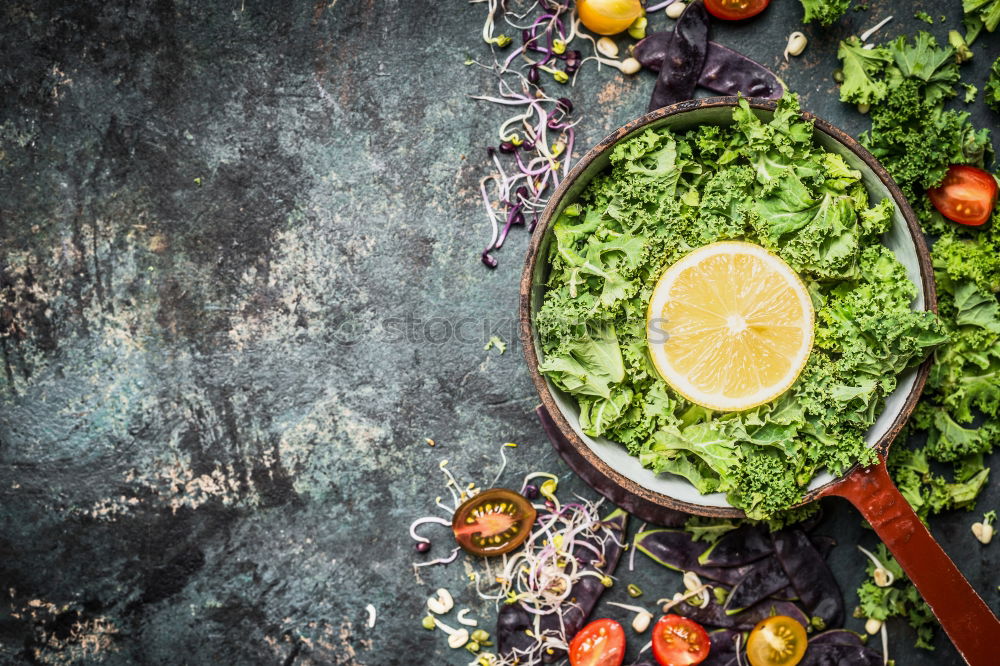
(882, 576)
(607, 47)
(675, 9)
(642, 618)
(796, 44)
(984, 531)
(441, 602)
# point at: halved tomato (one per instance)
(494, 522)
(777, 641)
(600, 643)
(678, 641)
(967, 195)
(735, 10)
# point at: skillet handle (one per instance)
(968, 621)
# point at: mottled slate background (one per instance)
(234, 240)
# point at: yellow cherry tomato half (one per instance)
(608, 17)
(777, 641)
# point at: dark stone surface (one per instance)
(216, 221)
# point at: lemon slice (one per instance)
(730, 326)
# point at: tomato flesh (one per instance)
(494, 522)
(735, 10)
(600, 643)
(608, 17)
(678, 641)
(777, 641)
(967, 195)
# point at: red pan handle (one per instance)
(968, 621)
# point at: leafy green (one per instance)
(769, 183)
(825, 11)
(709, 530)
(863, 83)
(916, 138)
(987, 11)
(900, 599)
(925, 17)
(991, 93)
(870, 73)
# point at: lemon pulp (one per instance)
(730, 326)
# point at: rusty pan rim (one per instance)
(574, 450)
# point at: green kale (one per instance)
(925, 17)
(991, 93)
(666, 193)
(917, 139)
(986, 11)
(709, 530)
(900, 599)
(825, 11)
(864, 80)
(870, 73)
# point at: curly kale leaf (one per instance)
(917, 140)
(991, 93)
(864, 72)
(826, 12)
(900, 599)
(987, 11)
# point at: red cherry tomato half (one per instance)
(678, 641)
(600, 643)
(494, 522)
(967, 195)
(735, 10)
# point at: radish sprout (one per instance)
(871, 31)
(660, 5)
(469, 622)
(443, 560)
(441, 602)
(640, 622)
(423, 521)
(882, 576)
(548, 32)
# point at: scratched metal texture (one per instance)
(240, 284)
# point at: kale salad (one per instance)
(769, 183)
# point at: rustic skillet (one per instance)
(966, 619)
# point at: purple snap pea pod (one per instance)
(675, 549)
(810, 576)
(685, 56)
(840, 655)
(744, 545)
(723, 647)
(726, 71)
(767, 577)
(824, 545)
(714, 615)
